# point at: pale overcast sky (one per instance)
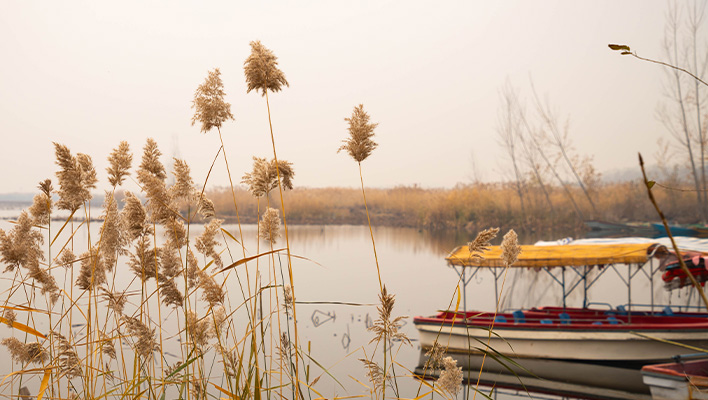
(90, 74)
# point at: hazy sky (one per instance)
(90, 74)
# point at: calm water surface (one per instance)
(336, 264)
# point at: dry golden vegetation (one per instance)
(151, 305)
(470, 207)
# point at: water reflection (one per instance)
(337, 267)
(535, 378)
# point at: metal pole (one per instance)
(651, 283)
(496, 290)
(585, 286)
(464, 292)
(629, 292)
(563, 285)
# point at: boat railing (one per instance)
(539, 317)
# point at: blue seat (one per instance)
(546, 321)
(564, 318)
(500, 318)
(597, 323)
(668, 311)
(613, 321)
(519, 317)
(621, 310)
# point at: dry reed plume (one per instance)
(210, 109)
(144, 283)
(262, 72)
(359, 145)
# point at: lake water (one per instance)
(335, 264)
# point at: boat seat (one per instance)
(668, 311)
(500, 318)
(564, 318)
(597, 323)
(519, 317)
(546, 321)
(621, 310)
(613, 320)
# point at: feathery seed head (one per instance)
(262, 72)
(133, 217)
(375, 374)
(264, 176)
(209, 106)
(116, 300)
(435, 355)
(450, 379)
(46, 187)
(93, 270)
(510, 248)
(206, 242)
(88, 172)
(269, 225)
(212, 292)
(76, 177)
(288, 297)
(151, 160)
(120, 161)
(206, 207)
(10, 317)
(46, 280)
(65, 356)
(41, 209)
(25, 352)
(200, 330)
(175, 232)
(112, 241)
(144, 261)
(171, 296)
(386, 328)
(482, 242)
(183, 187)
(170, 261)
(359, 145)
(21, 246)
(66, 258)
(146, 343)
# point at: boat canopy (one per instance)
(561, 256)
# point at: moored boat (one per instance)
(682, 379)
(574, 334)
(564, 333)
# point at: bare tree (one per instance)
(676, 115)
(560, 140)
(537, 146)
(529, 153)
(508, 131)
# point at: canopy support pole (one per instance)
(585, 286)
(563, 285)
(629, 292)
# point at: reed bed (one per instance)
(470, 207)
(155, 299)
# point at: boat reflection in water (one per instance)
(541, 378)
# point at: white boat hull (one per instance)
(566, 344)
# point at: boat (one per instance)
(677, 230)
(674, 276)
(578, 335)
(624, 334)
(685, 378)
(616, 229)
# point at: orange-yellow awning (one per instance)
(562, 256)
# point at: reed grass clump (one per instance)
(155, 306)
